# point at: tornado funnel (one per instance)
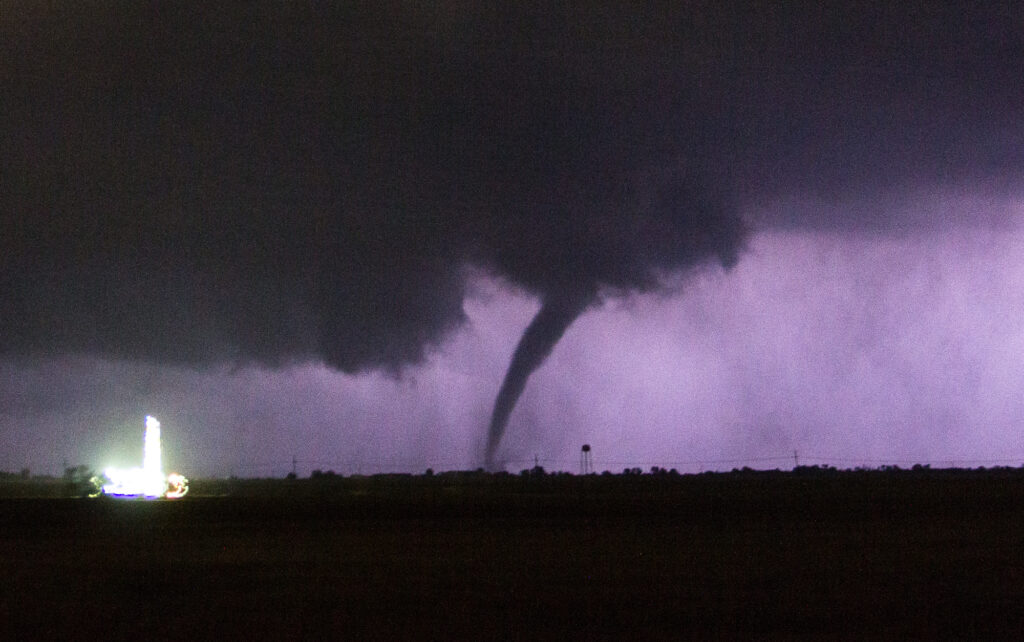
(552, 320)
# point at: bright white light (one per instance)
(134, 482)
(148, 481)
(151, 461)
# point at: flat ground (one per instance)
(770, 555)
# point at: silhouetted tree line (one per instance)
(76, 480)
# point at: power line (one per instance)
(407, 464)
(912, 460)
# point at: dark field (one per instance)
(764, 555)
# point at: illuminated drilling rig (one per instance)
(149, 481)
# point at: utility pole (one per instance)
(293, 465)
(796, 460)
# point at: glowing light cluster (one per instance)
(134, 482)
(148, 481)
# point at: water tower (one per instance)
(586, 464)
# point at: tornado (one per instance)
(538, 340)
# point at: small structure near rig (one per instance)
(586, 464)
(149, 481)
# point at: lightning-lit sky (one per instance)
(290, 231)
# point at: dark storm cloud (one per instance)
(273, 183)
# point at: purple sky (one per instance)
(851, 350)
(320, 230)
